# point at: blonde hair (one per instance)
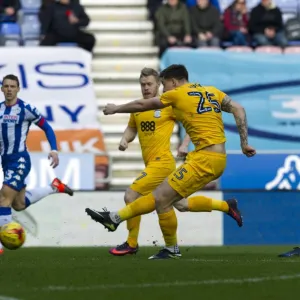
(150, 72)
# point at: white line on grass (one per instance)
(7, 298)
(171, 284)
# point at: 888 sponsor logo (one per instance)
(148, 126)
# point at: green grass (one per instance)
(91, 273)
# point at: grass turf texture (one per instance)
(202, 273)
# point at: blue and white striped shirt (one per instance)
(15, 121)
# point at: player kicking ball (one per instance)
(154, 129)
(16, 117)
(199, 110)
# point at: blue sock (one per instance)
(5, 215)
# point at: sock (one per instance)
(5, 217)
(141, 206)
(35, 195)
(168, 226)
(133, 226)
(201, 203)
(220, 205)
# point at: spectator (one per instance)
(153, 6)
(215, 3)
(61, 22)
(9, 9)
(236, 22)
(173, 25)
(266, 24)
(206, 24)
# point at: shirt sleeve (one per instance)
(218, 94)
(131, 122)
(32, 114)
(169, 98)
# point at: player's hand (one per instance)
(53, 155)
(248, 150)
(182, 151)
(123, 145)
(110, 109)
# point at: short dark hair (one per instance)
(150, 72)
(11, 77)
(178, 72)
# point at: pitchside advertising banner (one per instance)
(57, 81)
(270, 217)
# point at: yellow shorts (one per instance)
(199, 169)
(152, 176)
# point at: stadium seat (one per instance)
(30, 30)
(32, 18)
(30, 6)
(295, 49)
(11, 31)
(31, 43)
(268, 49)
(239, 49)
(12, 43)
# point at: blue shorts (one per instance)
(16, 168)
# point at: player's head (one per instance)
(149, 81)
(174, 76)
(10, 87)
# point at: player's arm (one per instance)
(134, 106)
(183, 148)
(239, 113)
(49, 132)
(128, 136)
(129, 133)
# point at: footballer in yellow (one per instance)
(199, 109)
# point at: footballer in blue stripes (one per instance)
(16, 117)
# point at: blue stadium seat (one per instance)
(30, 30)
(32, 18)
(11, 31)
(30, 6)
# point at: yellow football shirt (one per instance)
(199, 109)
(154, 129)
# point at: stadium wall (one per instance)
(60, 221)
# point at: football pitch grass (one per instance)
(202, 273)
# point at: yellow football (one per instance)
(12, 235)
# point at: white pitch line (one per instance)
(171, 284)
(7, 298)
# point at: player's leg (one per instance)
(7, 196)
(133, 226)
(28, 197)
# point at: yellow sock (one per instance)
(141, 206)
(199, 203)
(220, 205)
(133, 226)
(168, 226)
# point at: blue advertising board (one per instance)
(263, 171)
(270, 218)
(268, 86)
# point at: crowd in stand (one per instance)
(198, 23)
(61, 21)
